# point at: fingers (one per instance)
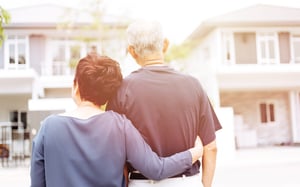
(199, 145)
(198, 142)
(197, 150)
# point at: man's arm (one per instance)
(209, 163)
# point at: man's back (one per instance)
(168, 108)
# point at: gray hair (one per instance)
(146, 37)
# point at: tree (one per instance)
(178, 52)
(4, 19)
(105, 33)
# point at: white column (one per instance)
(225, 137)
(295, 119)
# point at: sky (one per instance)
(178, 17)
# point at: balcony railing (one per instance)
(258, 68)
(57, 69)
(258, 77)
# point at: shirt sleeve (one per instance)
(208, 122)
(117, 102)
(142, 158)
(37, 170)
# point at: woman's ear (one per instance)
(75, 93)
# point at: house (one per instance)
(249, 60)
(37, 58)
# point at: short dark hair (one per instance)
(98, 78)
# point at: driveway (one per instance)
(259, 167)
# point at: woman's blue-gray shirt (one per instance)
(73, 152)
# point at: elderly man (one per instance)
(168, 108)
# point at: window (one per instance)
(16, 52)
(18, 116)
(206, 54)
(267, 112)
(296, 48)
(65, 55)
(228, 48)
(267, 48)
(245, 48)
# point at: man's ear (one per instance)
(131, 50)
(166, 45)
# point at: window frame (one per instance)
(268, 113)
(228, 38)
(15, 41)
(63, 67)
(266, 37)
(294, 38)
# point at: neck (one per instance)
(87, 104)
(150, 62)
(153, 63)
(153, 59)
(84, 110)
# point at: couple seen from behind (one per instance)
(158, 128)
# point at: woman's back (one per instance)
(84, 152)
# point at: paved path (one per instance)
(262, 167)
(14, 177)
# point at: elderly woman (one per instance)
(88, 147)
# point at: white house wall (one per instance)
(38, 52)
(202, 65)
(253, 85)
(1, 57)
(12, 102)
(17, 81)
(243, 86)
(246, 104)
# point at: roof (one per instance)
(44, 15)
(260, 13)
(257, 15)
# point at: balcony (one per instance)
(260, 77)
(18, 81)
